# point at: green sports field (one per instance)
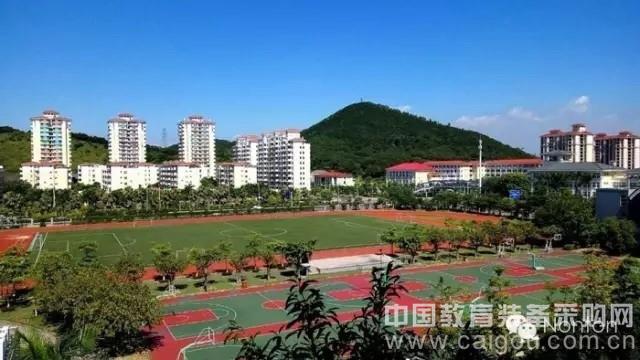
(330, 232)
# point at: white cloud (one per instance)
(476, 121)
(520, 113)
(580, 104)
(515, 114)
(404, 108)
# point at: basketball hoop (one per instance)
(205, 338)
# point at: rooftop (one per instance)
(593, 167)
(331, 174)
(411, 166)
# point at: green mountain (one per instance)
(15, 149)
(365, 138)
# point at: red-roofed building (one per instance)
(409, 173)
(331, 178)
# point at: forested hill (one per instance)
(365, 138)
(15, 149)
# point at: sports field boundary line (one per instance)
(119, 243)
(44, 240)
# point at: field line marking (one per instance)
(251, 231)
(41, 247)
(119, 242)
(268, 299)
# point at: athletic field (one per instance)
(331, 230)
(202, 318)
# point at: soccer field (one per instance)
(330, 232)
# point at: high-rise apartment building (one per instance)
(50, 152)
(246, 149)
(198, 141)
(127, 139)
(51, 138)
(620, 150)
(576, 145)
(284, 160)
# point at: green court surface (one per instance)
(330, 232)
(248, 309)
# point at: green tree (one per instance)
(14, 267)
(298, 252)
(89, 250)
(225, 249)
(598, 286)
(130, 267)
(616, 236)
(411, 241)
(167, 262)
(252, 250)
(391, 236)
(268, 255)
(202, 259)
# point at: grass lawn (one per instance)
(330, 232)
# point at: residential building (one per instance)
(236, 174)
(331, 178)
(51, 138)
(284, 160)
(89, 174)
(246, 149)
(621, 150)
(46, 175)
(198, 142)
(180, 174)
(50, 152)
(127, 139)
(576, 145)
(586, 177)
(409, 173)
(121, 175)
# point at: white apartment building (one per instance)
(331, 178)
(89, 174)
(577, 145)
(51, 138)
(50, 152)
(284, 160)
(127, 139)
(620, 150)
(180, 174)
(133, 175)
(46, 175)
(198, 142)
(236, 174)
(246, 149)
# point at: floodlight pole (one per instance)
(480, 164)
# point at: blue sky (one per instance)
(511, 69)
